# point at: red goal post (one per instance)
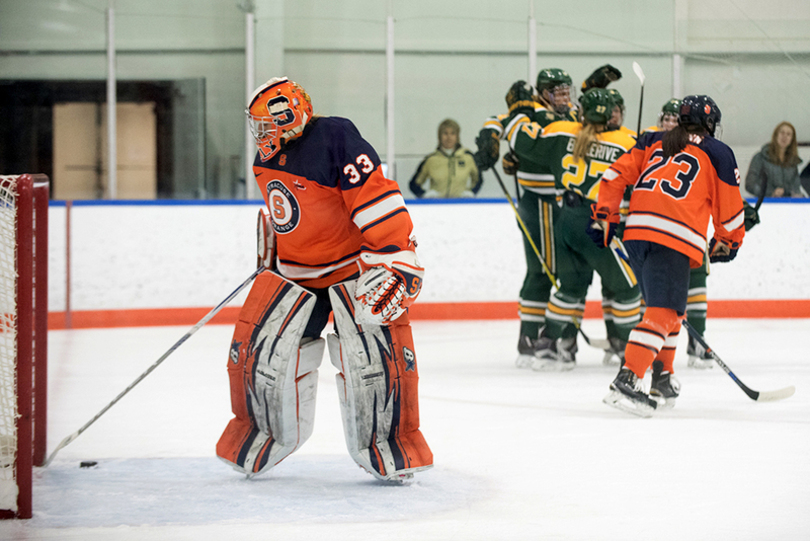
(23, 337)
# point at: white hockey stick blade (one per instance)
(779, 394)
(639, 72)
(600, 343)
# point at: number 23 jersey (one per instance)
(328, 201)
(674, 197)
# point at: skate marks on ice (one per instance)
(194, 491)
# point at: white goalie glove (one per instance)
(388, 284)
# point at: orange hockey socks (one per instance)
(653, 339)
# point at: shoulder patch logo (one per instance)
(284, 208)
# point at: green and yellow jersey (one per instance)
(532, 176)
(552, 147)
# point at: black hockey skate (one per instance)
(627, 394)
(555, 355)
(526, 349)
(664, 387)
(615, 355)
(698, 357)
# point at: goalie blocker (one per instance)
(273, 375)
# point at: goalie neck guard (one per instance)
(277, 111)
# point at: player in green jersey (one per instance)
(577, 154)
(538, 206)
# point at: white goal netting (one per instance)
(8, 347)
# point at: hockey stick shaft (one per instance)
(763, 396)
(753, 395)
(162, 358)
(537, 252)
(640, 74)
(762, 189)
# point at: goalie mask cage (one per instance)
(23, 337)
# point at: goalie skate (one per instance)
(627, 394)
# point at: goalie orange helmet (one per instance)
(278, 111)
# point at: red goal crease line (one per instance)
(156, 317)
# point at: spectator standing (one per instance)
(450, 170)
(775, 168)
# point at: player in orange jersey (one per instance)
(680, 178)
(338, 240)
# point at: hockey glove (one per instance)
(602, 225)
(520, 98)
(510, 163)
(720, 252)
(601, 78)
(750, 216)
(489, 149)
(388, 284)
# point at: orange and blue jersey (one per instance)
(673, 197)
(329, 200)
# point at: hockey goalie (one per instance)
(336, 238)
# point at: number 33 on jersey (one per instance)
(308, 187)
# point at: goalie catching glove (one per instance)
(388, 284)
(720, 252)
(602, 225)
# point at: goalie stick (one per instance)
(600, 344)
(759, 396)
(162, 358)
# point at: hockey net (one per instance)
(23, 337)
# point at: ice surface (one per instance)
(519, 454)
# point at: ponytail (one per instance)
(585, 138)
(676, 139)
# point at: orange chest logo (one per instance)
(285, 210)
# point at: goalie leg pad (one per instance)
(273, 378)
(377, 387)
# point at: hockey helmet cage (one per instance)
(597, 105)
(550, 78)
(277, 111)
(700, 110)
